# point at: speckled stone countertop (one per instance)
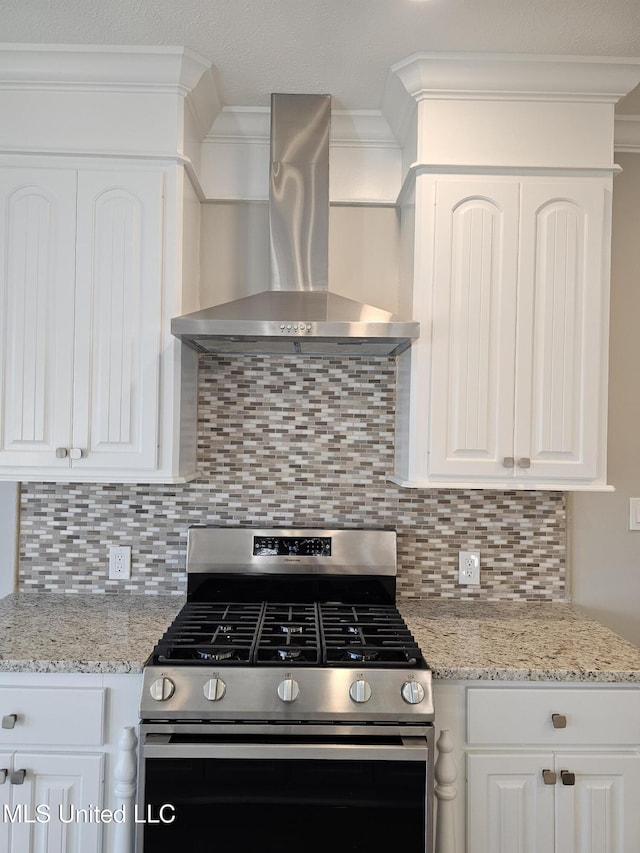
(514, 641)
(45, 632)
(518, 641)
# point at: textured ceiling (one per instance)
(344, 47)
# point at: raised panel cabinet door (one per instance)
(119, 300)
(59, 784)
(600, 812)
(562, 338)
(473, 329)
(510, 809)
(6, 764)
(37, 282)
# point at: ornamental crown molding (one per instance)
(100, 68)
(508, 76)
(251, 125)
(627, 134)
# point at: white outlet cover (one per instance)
(469, 567)
(634, 513)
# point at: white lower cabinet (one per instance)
(59, 746)
(588, 803)
(49, 802)
(539, 767)
(553, 770)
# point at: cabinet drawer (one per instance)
(524, 716)
(71, 716)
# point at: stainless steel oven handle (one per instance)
(409, 751)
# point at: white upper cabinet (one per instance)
(82, 319)
(506, 218)
(118, 319)
(101, 251)
(517, 325)
(37, 265)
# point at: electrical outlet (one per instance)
(469, 567)
(119, 562)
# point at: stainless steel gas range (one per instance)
(288, 701)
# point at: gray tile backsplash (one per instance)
(294, 441)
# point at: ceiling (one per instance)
(343, 47)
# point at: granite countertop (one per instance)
(514, 641)
(48, 632)
(518, 641)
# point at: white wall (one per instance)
(8, 536)
(605, 555)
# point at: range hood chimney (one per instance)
(298, 314)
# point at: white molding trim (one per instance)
(70, 67)
(539, 171)
(366, 160)
(506, 486)
(626, 138)
(522, 77)
(351, 128)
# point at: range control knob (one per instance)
(412, 692)
(214, 689)
(288, 690)
(360, 691)
(162, 689)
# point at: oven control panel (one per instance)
(280, 694)
(296, 546)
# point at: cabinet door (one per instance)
(62, 783)
(37, 281)
(509, 806)
(473, 329)
(599, 814)
(117, 339)
(562, 337)
(5, 798)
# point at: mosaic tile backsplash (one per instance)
(305, 441)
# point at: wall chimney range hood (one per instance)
(298, 314)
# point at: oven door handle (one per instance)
(412, 749)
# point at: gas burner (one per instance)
(217, 655)
(226, 629)
(290, 654)
(361, 655)
(291, 629)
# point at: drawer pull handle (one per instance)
(549, 777)
(9, 721)
(567, 778)
(3, 775)
(559, 721)
(17, 777)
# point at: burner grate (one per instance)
(289, 634)
(267, 633)
(371, 635)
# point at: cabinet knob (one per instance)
(17, 777)
(61, 452)
(567, 778)
(559, 721)
(9, 721)
(3, 775)
(508, 462)
(549, 777)
(75, 453)
(524, 462)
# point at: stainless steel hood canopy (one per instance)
(297, 314)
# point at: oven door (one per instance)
(309, 789)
